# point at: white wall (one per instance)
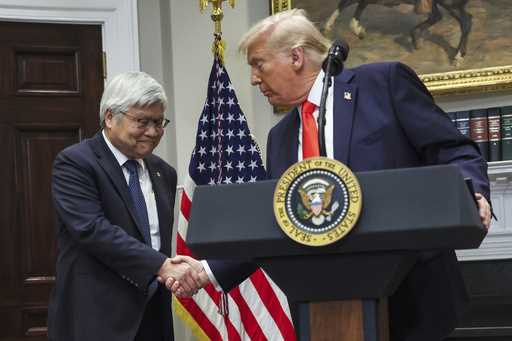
(155, 59)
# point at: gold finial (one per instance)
(217, 15)
(202, 5)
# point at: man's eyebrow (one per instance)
(254, 60)
(140, 113)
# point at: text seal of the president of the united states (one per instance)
(317, 201)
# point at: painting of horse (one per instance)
(455, 8)
(452, 35)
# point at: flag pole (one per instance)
(218, 48)
(217, 15)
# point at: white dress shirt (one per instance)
(314, 97)
(147, 191)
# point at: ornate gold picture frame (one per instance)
(486, 65)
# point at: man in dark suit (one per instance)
(379, 116)
(114, 201)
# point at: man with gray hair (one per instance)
(378, 116)
(114, 204)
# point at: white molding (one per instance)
(494, 246)
(498, 243)
(500, 171)
(118, 19)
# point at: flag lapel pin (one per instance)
(347, 95)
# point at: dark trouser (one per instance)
(155, 322)
(430, 301)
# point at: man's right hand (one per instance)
(177, 287)
(180, 272)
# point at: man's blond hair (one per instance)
(288, 30)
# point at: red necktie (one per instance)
(310, 146)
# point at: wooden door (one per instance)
(50, 87)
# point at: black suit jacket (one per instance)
(103, 267)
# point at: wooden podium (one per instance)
(346, 284)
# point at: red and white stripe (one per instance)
(258, 309)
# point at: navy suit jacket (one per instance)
(390, 121)
(104, 268)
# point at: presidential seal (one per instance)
(317, 201)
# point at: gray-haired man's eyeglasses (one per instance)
(144, 123)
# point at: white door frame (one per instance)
(118, 19)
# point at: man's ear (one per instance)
(297, 54)
(108, 118)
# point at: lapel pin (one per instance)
(158, 174)
(347, 95)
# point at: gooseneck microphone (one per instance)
(332, 66)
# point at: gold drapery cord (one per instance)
(219, 45)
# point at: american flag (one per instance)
(226, 153)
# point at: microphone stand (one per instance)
(322, 108)
(332, 66)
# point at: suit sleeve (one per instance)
(79, 208)
(229, 274)
(429, 129)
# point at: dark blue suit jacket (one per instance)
(104, 268)
(391, 121)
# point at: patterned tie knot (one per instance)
(131, 166)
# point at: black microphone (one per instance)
(332, 66)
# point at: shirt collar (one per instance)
(120, 157)
(315, 94)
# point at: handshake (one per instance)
(183, 275)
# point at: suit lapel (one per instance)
(113, 170)
(345, 97)
(162, 205)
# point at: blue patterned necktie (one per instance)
(138, 198)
